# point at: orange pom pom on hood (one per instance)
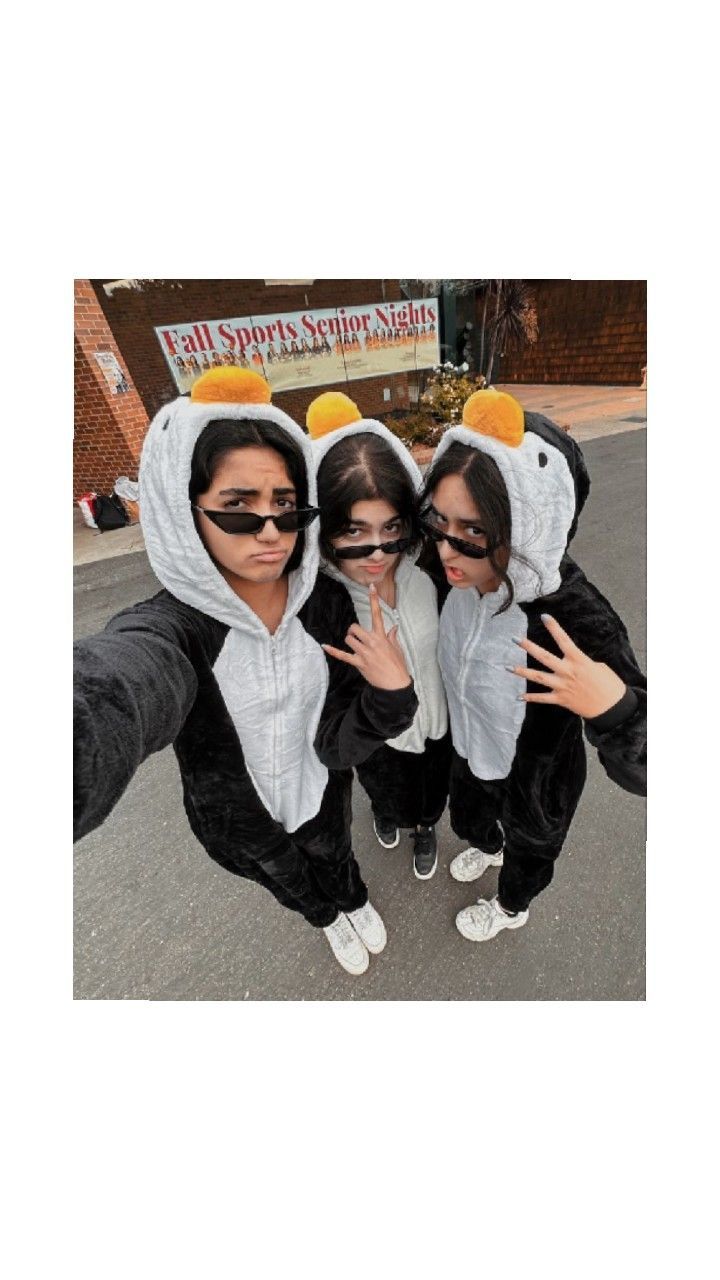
(496, 414)
(230, 386)
(328, 412)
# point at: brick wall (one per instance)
(366, 392)
(109, 429)
(590, 331)
(133, 314)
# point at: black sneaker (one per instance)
(425, 856)
(387, 833)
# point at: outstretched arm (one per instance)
(135, 687)
(133, 691)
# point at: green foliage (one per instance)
(441, 405)
(418, 427)
(446, 393)
(413, 288)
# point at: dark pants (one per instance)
(335, 885)
(536, 804)
(408, 788)
(321, 876)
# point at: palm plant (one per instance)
(515, 320)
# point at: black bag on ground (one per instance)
(109, 513)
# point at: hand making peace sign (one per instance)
(377, 656)
(575, 681)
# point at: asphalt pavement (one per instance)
(156, 919)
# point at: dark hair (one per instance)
(357, 469)
(487, 490)
(222, 435)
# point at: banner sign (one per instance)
(309, 348)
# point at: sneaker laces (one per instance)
(343, 931)
(481, 914)
(469, 858)
(423, 840)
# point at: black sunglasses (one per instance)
(458, 544)
(248, 522)
(359, 553)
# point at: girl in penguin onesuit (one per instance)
(369, 537)
(505, 490)
(227, 663)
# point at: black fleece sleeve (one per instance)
(133, 691)
(357, 718)
(615, 715)
(620, 735)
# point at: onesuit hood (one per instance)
(545, 477)
(176, 552)
(333, 418)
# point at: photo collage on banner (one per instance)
(309, 348)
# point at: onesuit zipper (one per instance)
(474, 633)
(412, 654)
(273, 655)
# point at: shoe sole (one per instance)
(355, 973)
(471, 938)
(493, 861)
(429, 875)
(394, 844)
(374, 951)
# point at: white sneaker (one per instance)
(473, 863)
(484, 919)
(347, 947)
(370, 928)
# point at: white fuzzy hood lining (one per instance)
(369, 426)
(542, 505)
(176, 553)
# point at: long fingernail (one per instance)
(511, 670)
(520, 697)
(372, 586)
(517, 640)
(546, 617)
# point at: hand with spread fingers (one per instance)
(377, 655)
(574, 681)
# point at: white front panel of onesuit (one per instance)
(474, 650)
(274, 689)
